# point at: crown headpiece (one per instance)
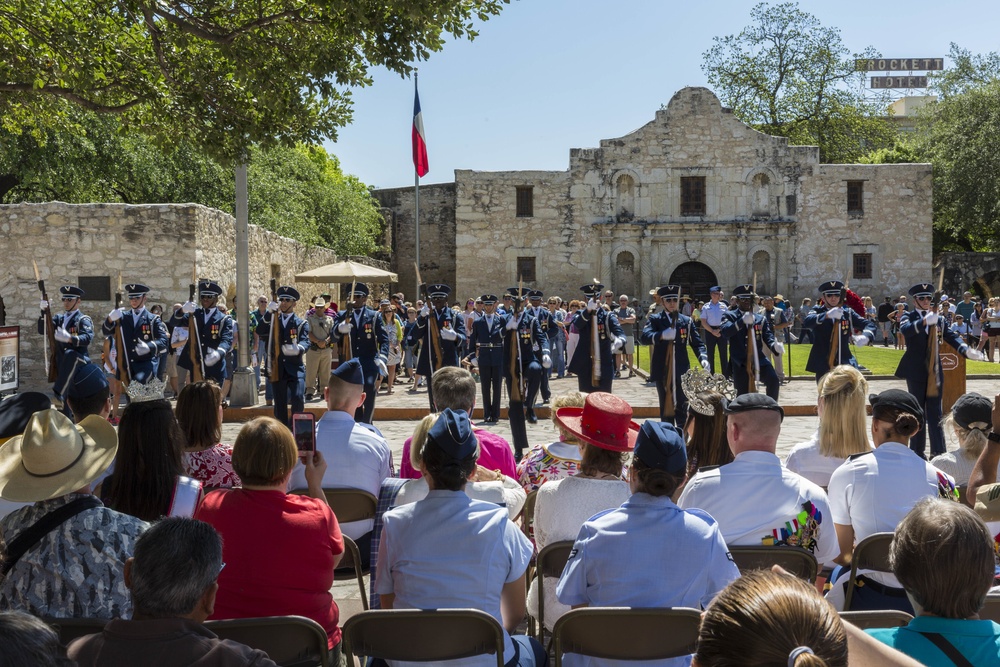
(151, 391)
(697, 380)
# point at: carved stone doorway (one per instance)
(695, 279)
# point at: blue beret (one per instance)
(350, 372)
(661, 446)
(452, 432)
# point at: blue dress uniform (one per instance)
(369, 345)
(486, 340)
(144, 335)
(215, 332)
(734, 330)
(76, 331)
(609, 337)
(294, 341)
(449, 343)
(913, 367)
(822, 328)
(544, 317)
(533, 348)
(684, 333)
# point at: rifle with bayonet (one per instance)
(194, 340)
(124, 369)
(49, 341)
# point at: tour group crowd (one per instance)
(141, 517)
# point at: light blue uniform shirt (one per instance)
(647, 553)
(449, 551)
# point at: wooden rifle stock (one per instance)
(516, 376)
(194, 343)
(835, 355)
(933, 358)
(274, 339)
(668, 373)
(52, 353)
(124, 372)
(751, 357)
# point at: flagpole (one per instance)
(416, 196)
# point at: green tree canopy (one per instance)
(790, 76)
(227, 74)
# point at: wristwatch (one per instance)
(993, 436)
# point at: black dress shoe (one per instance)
(532, 419)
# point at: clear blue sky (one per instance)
(546, 76)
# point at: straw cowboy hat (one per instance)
(55, 457)
(605, 421)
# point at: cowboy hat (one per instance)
(55, 457)
(605, 421)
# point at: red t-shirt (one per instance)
(494, 454)
(279, 551)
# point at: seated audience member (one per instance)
(75, 568)
(872, 492)
(26, 640)
(458, 391)
(841, 432)
(449, 551)
(619, 557)
(199, 413)
(361, 458)
(172, 581)
(15, 411)
(604, 425)
(970, 418)
(484, 484)
(280, 549)
(88, 393)
(706, 424)
(755, 499)
(944, 557)
(547, 463)
(147, 481)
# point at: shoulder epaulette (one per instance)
(854, 456)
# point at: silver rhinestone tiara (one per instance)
(151, 391)
(697, 380)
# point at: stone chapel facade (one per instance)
(694, 197)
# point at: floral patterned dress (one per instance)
(547, 463)
(213, 467)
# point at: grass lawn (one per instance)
(879, 360)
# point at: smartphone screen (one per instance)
(304, 430)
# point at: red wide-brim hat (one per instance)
(604, 421)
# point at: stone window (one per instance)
(95, 288)
(692, 195)
(862, 265)
(526, 269)
(525, 201)
(856, 198)
(790, 204)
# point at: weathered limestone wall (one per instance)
(157, 245)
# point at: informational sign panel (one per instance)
(10, 338)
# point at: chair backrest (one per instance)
(881, 618)
(625, 633)
(872, 553)
(991, 610)
(528, 514)
(552, 558)
(430, 635)
(287, 640)
(69, 629)
(348, 504)
(796, 560)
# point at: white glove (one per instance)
(253, 359)
(618, 344)
(448, 334)
(591, 305)
(62, 335)
(546, 361)
(212, 357)
(380, 365)
(779, 348)
(930, 319)
(142, 348)
(273, 306)
(290, 350)
(345, 327)
(115, 315)
(835, 313)
(188, 307)
(860, 340)
(748, 318)
(512, 323)
(43, 304)
(974, 355)
(425, 311)
(669, 334)
(707, 366)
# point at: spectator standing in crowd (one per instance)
(711, 321)
(896, 317)
(966, 306)
(556, 460)
(319, 355)
(970, 421)
(393, 328)
(75, 569)
(199, 415)
(882, 319)
(626, 318)
(976, 325)
(176, 377)
(805, 335)
(411, 349)
(557, 338)
(961, 329)
(779, 323)
(871, 314)
(259, 346)
(172, 580)
(991, 328)
(362, 457)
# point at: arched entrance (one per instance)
(695, 279)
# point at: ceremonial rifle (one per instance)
(51, 350)
(670, 384)
(516, 366)
(274, 339)
(346, 346)
(836, 353)
(753, 370)
(433, 335)
(595, 348)
(933, 345)
(124, 370)
(194, 340)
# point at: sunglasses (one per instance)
(69, 298)
(285, 298)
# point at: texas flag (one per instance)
(419, 141)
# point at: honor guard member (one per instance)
(735, 326)
(487, 342)
(215, 332)
(293, 341)
(544, 317)
(144, 335)
(670, 333)
(442, 333)
(918, 364)
(369, 345)
(522, 368)
(594, 358)
(832, 323)
(73, 333)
